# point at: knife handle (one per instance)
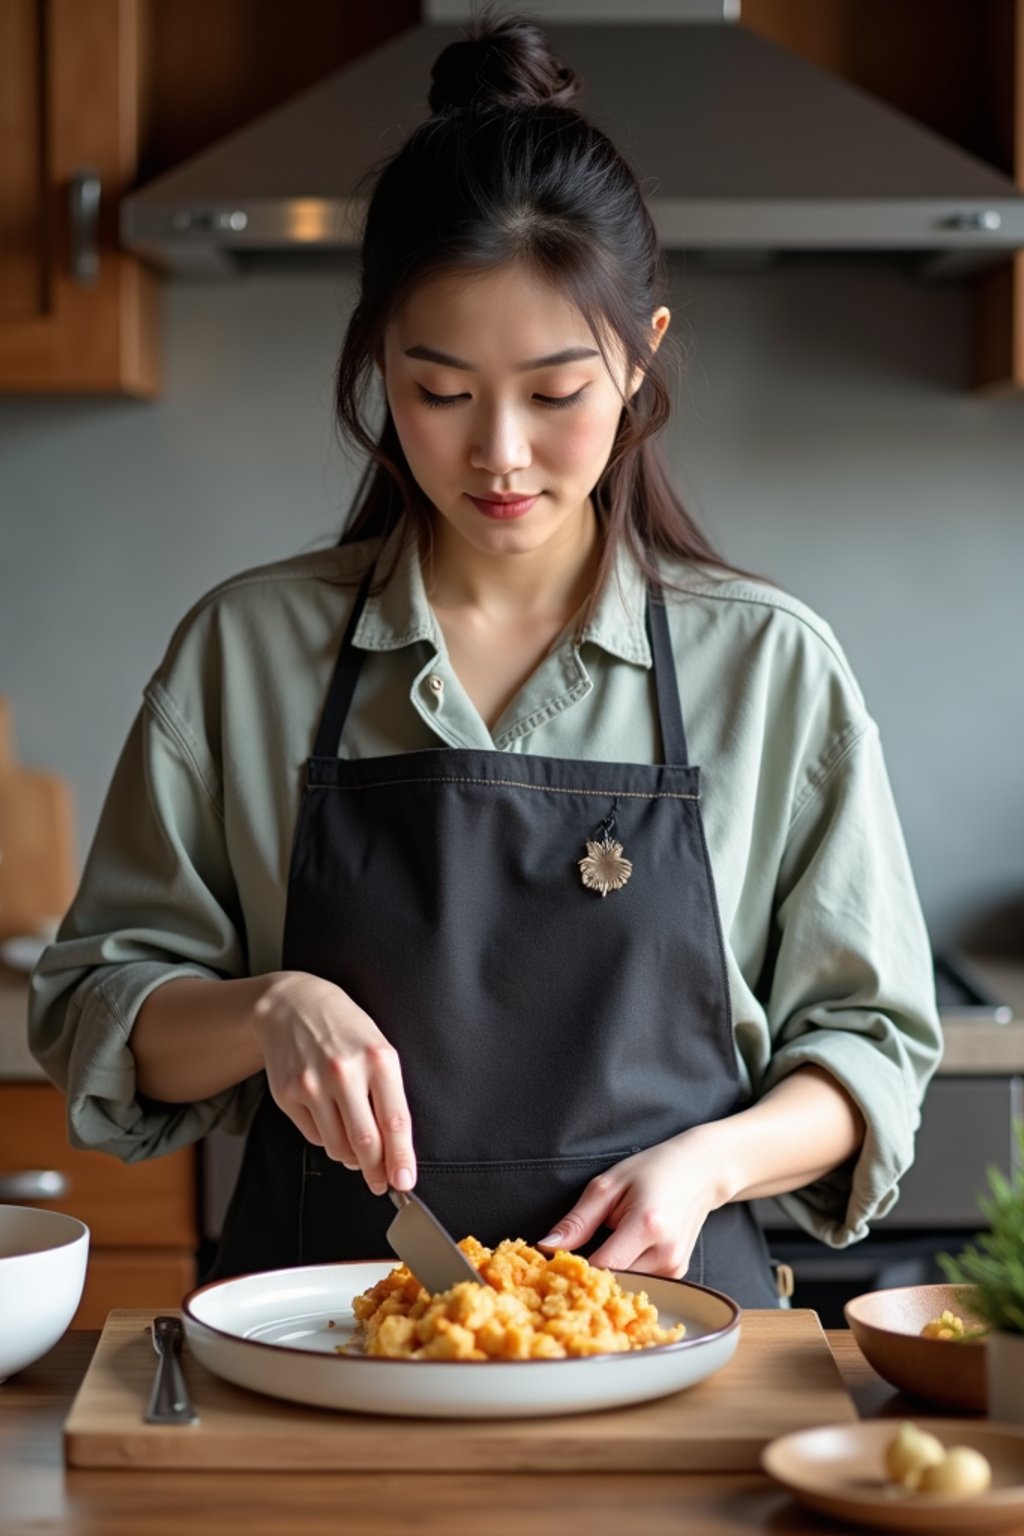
(169, 1402)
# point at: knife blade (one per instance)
(425, 1246)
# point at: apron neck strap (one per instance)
(343, 680)
(350, 661)
(670, 711)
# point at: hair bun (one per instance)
(503, 61)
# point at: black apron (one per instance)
(545, 1031)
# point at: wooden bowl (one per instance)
(887, 1326)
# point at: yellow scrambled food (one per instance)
(920, 1463)
(949, 1326)
(527, 1307)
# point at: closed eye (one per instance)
(556, 402)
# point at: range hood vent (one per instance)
(746, 152)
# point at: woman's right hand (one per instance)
(331, 1070)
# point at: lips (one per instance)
(503, 511)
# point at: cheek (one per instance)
(424, 435)
(579, 442)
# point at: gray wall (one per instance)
(825, 434)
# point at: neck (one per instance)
(502, 588)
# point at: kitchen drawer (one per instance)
(131, 1205)
(122, 1277)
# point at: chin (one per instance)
(505, 540)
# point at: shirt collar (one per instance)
(401, 614)
(618, 622)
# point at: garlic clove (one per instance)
(910, 1452)
(961, 1472)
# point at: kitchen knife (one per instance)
(170, 1402)
(422, 1243)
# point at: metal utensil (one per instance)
(422, 1243)
(170, 1402)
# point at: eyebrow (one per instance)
(569, 355)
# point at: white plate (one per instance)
(269, 1332)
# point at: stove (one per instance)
(963, 993)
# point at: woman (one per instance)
(408, 866)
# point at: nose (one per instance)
(500, 444)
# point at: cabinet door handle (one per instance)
(84, 192)
(34, 1184)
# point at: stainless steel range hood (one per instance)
(745, 151)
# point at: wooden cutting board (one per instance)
(781, 1378)
(37, 856)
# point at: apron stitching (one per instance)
(544, 789)
(512, 1164)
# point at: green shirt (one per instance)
(828, 958)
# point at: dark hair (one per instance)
(507, 170)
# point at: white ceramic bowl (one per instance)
(43, 1256)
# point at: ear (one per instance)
(659, 325)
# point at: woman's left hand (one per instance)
(655, 1202)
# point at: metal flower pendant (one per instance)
(605, 867)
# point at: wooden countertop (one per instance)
(979, 1048)
(37, 1493)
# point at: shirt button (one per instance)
(436, 684)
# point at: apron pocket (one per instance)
(522, 1198)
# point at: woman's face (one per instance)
(480, 413)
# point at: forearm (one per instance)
(800, 1130)
(193, 1038)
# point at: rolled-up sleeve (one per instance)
(156, 901)
(852, 987)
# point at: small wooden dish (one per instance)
(839, 1469)
(887, 1326)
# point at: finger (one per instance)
(643, 1242)
(315, 1102)
(623, 1249)
(306, 1124)
(336, 1143)
(592, 1210)
(349, 1097)
(331, 1130)
(365, 1141)
(391, 1109)
(667, 1264)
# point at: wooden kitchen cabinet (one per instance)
(957, 66)
(142, 1216)
(999, 352)
(123, 89)
(77, 314)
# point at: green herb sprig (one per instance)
(994, 1262)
